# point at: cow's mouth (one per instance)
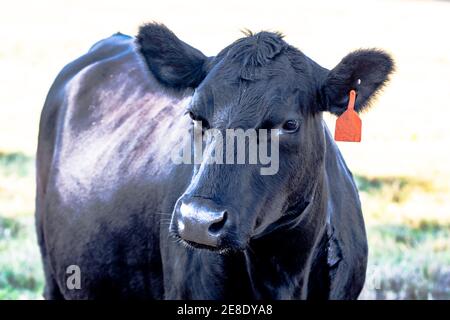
(199, 246)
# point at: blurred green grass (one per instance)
(409, 257)
(407, 262)
(15, 164)
(21, 275)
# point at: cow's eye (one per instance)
(191, 115)
(198, 121)
(291, 126)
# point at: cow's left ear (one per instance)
(365, 71)
(173, 62)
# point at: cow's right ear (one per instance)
(173, 62)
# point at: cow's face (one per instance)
(258, 82)
(227, 204)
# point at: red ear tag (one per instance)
(348, 125)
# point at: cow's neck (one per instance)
(282, 260)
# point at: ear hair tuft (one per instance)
(366, 71)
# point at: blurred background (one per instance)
(402, 166)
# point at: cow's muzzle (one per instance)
(201, 222)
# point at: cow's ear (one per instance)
(365, 71)
(173, 62)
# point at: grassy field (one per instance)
(21, 274)
(409, 254)
(402, 165)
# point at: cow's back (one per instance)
(103, 171)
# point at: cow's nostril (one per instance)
(215, 227)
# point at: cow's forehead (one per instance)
(225, 80)
(250, 81)
(245, 104)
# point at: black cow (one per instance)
(139, 226)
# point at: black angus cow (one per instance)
(138, 226)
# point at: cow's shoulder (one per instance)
(110, 107)
(103, 50)
(69, 80)
(55, 109)
(116, 42)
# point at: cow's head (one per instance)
(257, 82)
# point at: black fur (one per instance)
(371, 66)
(173, 62)
(108, 196)
(255, 52)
